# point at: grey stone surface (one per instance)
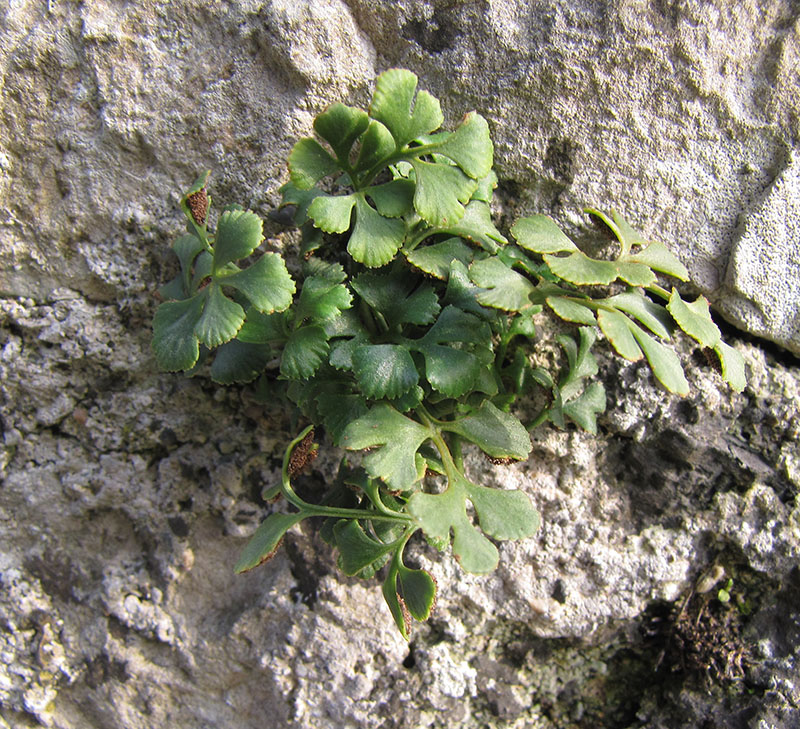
(764, 268)
(127, 494)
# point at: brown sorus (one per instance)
(500, 461)
(303, 454)
(712, 360)
(198, 205)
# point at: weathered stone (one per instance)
(764, 269)
(126, 495)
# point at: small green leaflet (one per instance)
(399, 439)
(267, 283)
(306, 349)
(571, 310)
(300, 199)
(398, 296)
(476, 226)
(408, 593)
(470, 146)
(439, 514)
(338, 410)
(239, 233)
(579, 269)
(384, 370)
(631, 341)
(571, 397)
(442, 192)
(733, 370)
(220, 320)
(626, 235)
(377, 145)
(418, 591)
(436, 259)
(461, 292)
(357, 550)
(393, 104)
(695, 319)
(309, 162)
(322, 299)
(393, 199)
(496, 433)
(240, 362)
(187, 248)
(375, 239)
(540, 234)
(340, 126)
(265, 542)
(503, 288)
(615, 326)
(261, 328)
(663, 361)
(647, 312)
(174, 341)
(332, 213)
(502, 515)
(582, 362)
(585, 408)
(451, 370)
(659, 258)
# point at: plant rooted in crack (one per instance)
(410, 331)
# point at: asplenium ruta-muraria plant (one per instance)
(409, 332)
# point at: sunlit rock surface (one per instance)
(127, 494)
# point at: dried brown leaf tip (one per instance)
(305, 452)
(198, 205)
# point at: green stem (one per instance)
(450, 468)
(366, 317)
(426, 417)
(202, 233)
(398, 156)
(314, 510)
(374, 495)
(348, 170)
(414, 242)
(659, 291)
(381, 320)
(458, 457)
(502, 348)
(538, 420)
(400, 544)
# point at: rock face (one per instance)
(126, 494)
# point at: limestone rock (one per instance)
(126, 495)
(764, 269)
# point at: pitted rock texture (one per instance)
(127, 494)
